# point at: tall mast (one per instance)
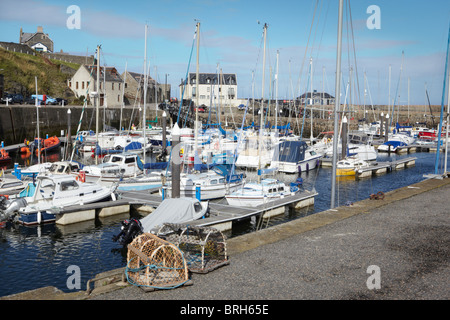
(97, 102)
(276, 96)
(336, 104)
(144, 124)
(312, 100)
(261, 109)
(197, 93)
(123, 96)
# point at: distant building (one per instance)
(317, 98)
(84, 83)
(212, 89)
(38, 41)
(134, 89)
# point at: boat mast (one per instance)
(37, 122)
(276, 96)
(261, 109)
(144, 124)
(336, 103)
(97, 102)
(197, 94)
(123, 96)
(312, 101)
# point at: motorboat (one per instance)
(212, 184)
(396, 141)
(253, 194)
(4, 156)
(175, 210)
(349, 165)
(46, 145)
(295, 157)
(39, 202)
(114, 168)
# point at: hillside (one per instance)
(20, 70)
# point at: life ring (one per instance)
(216, 145)
(81, 176)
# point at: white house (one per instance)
(213, 89)
(84, 82)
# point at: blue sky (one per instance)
(230, 37)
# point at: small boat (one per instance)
(115, 167)
(349, 166)
(396, 141)
(295, 157)
(209, 185)
(4, 156)
(171, 210)
(40, 202)
(46, 145)
(253, 194)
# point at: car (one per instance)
(17, 98)
(61, 101)
(241, 107)
(201, 110)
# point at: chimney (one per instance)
(20, 36)
(40, 29)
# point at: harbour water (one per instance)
(34, 257)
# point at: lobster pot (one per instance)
(204, 248)
(155, 263)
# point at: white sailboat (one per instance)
(264, 190)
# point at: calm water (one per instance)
(34, 257)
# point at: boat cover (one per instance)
(173, 210)
(291, 151)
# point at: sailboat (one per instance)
(264, 190)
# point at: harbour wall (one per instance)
(18, 122)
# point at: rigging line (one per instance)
(354, 53)
(187, 75)
(306, 49)
(396, 91)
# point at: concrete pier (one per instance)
(323, 256)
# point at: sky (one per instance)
(400, 42)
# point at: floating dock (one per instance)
(222, 216)
(383, 167)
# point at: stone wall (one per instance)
(18, 123)
(22, 48)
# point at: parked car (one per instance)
(241, 107)
(201, 110)
(17, 98)
(61, 101)
(44, 99)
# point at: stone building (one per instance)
(84, 83)
(317, 98)
(134, 89)
(38, 40)
(213, 89)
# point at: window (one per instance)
(119, 87)
(82, 84)
(197, 207)
(118, 98)
(70, 84)
(116, 159)
(69, 185)
(214, 181)
(112, 86)
(76, 85)
(126, 85)
(130, 160)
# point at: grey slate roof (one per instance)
(212, 78)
